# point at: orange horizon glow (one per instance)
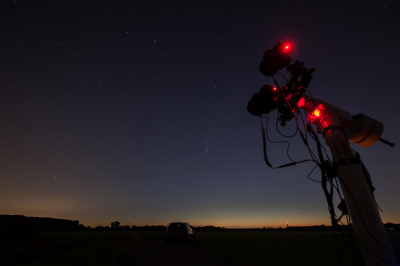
(231, 224)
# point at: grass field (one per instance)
(232, 248)
(72, 248)
(285, 248)
(276, 248)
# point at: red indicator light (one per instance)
(301, 102)
(274, 89)
(315, 115)
(286, 47)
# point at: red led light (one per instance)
(287, 47)
(301, 102)
(315, 115)
(274, 89)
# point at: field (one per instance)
(284, 248)
(210, 248)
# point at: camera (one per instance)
(270, 98)
(275, 59)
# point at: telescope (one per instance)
(360, 129)
(338, 127)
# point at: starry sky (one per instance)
(136, 110)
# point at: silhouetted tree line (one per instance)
(392, 227)
(37, 223)
(320, 228)
(296, 228)
(19, 226)
(388, 226)
(116, 226)
(14, 227)
(209, 228)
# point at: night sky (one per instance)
(136, 111)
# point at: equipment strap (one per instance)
(342, 162)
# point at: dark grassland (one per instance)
(229, 248)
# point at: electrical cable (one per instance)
(326, 254)
(350, 237)
(301, 133)
(264, 134)
(329, 176)
(326, 153)
(358, 210)
(302, 119)
(281, 75)
(276, 142)
(326, 177)
(345, 157)
(323, 173)
(367, 178)
(328, 195)
(276, 125)
(308, 176)
(336, 247)
(329, 198)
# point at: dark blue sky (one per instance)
(136, 111)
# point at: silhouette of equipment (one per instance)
(338, 127)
